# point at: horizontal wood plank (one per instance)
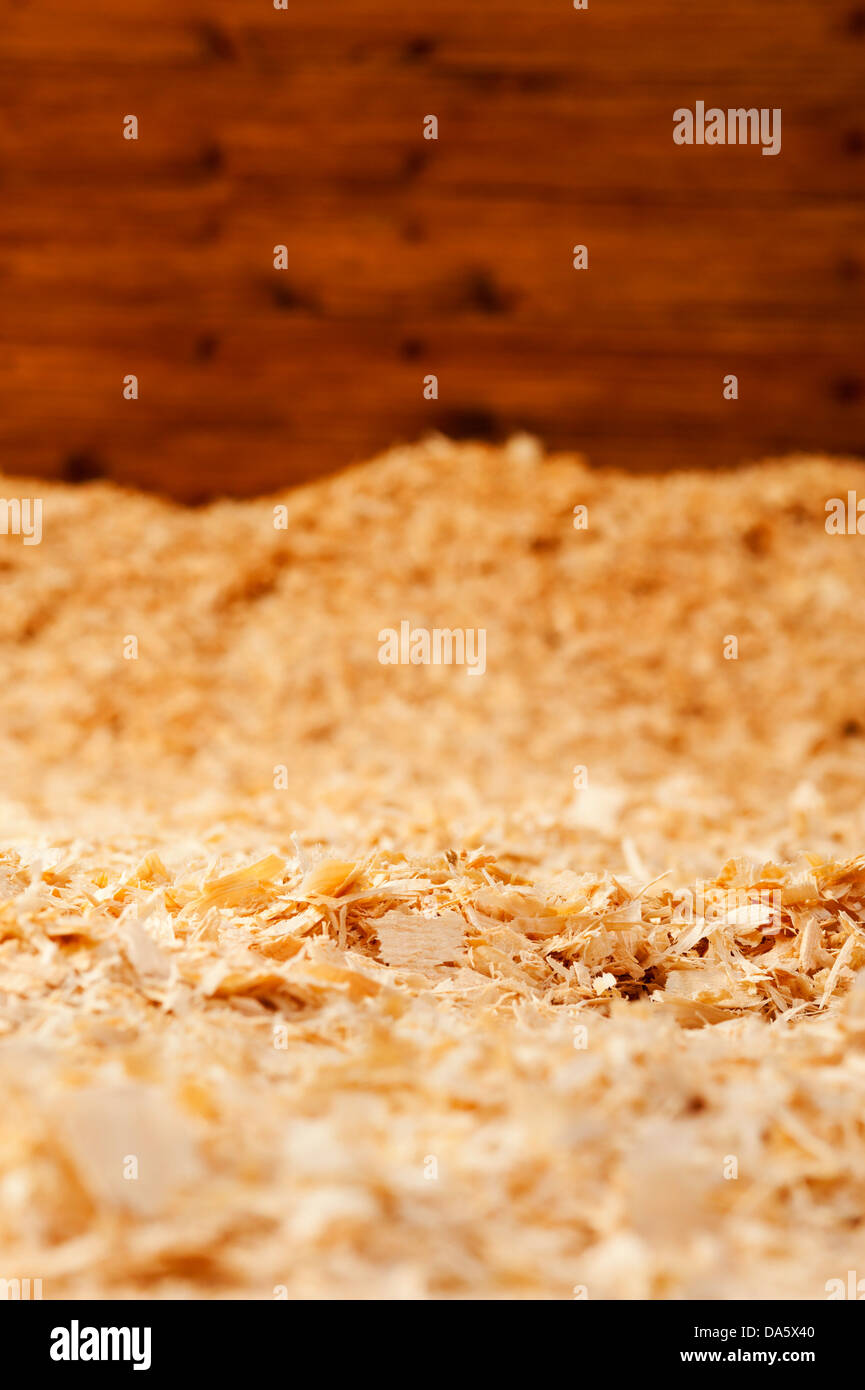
(303, 128)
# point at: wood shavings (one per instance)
(338, 959)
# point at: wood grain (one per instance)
(261, 127)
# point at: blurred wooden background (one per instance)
(304, 127)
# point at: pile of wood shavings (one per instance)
(424, 1021)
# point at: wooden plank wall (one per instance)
(304, 127)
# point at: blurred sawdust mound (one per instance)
(318, 977)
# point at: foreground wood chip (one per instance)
(420, 941)
(252, 886)
(328, 879)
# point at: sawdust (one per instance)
(325, 978)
